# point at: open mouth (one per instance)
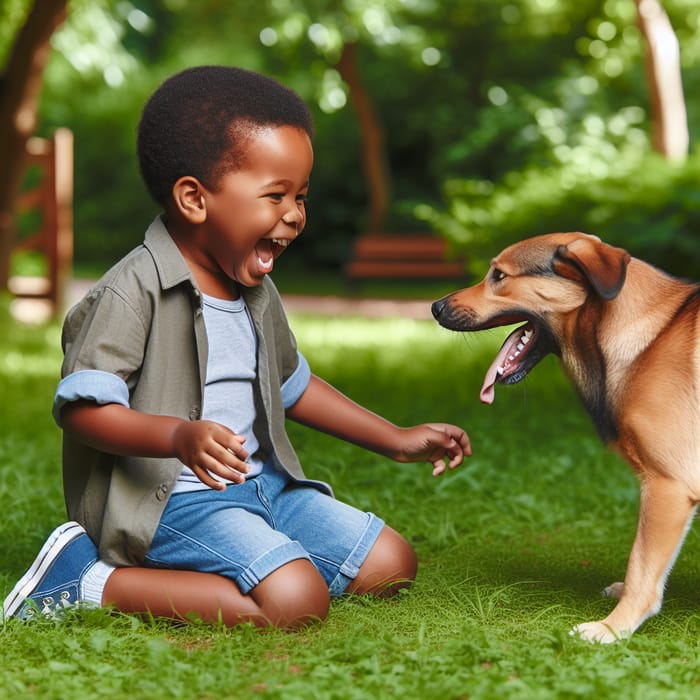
(520, 352)
(268, 250)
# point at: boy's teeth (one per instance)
(281, 242)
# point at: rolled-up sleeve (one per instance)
(91, 385)
(296, 384)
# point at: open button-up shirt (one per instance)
(138, 339)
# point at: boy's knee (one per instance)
(390, 565)
(293, 596)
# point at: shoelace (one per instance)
(50, 607)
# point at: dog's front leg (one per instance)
(665, 514)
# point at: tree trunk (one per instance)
(20, 85)
(374, 161)
(670, 123)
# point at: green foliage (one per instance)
(12, 15)
(578, 156)
(514, 547)
(484, 104)
(643, 203)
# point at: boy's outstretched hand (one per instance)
(441, 444)
(324, 408)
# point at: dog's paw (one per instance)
(596, 633)
(614, 590)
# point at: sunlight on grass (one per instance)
(385, 334)
(411, 347)
(15, 363)
(341, 333)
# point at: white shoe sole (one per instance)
(53, 546)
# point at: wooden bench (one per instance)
(51, 194)
(403, 256)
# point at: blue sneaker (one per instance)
(52, 582)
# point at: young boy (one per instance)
(179, 371)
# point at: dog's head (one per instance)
(543, 282)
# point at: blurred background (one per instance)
(478, 121)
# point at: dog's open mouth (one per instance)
(512, 362)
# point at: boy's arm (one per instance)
(204, 446)
(324, 408)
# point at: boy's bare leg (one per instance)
(390, 565)
(292, 596)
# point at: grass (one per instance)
(514, 548)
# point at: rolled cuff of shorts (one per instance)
(91, 385)
(269, 562)
(296, 385)
(351, 566)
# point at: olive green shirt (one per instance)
(138, 338)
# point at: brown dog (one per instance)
(628, 336)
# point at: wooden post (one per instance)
(61, 247)
(53, 195)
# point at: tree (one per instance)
(337, 32)
(663, 63)
(20, 84)
(374, 159)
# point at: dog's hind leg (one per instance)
(666, 512)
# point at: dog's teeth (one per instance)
(526, 337)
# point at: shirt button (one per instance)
(162, 492)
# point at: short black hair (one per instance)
(198, 122)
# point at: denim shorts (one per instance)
(248, 530)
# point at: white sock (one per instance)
(93, 581)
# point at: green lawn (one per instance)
(514, 548)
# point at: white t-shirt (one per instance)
(231, 370)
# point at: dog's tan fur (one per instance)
(628, 337)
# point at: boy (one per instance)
(179, 371)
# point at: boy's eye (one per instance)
(279, 196)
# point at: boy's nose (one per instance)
(295, 219)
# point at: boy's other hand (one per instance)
(209, 448)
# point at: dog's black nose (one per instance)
(437, 308)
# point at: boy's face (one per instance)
(256, 212)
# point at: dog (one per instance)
(628, 338)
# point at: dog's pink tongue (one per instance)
(488, 391)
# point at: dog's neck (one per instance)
(647, 302)
(617, 332)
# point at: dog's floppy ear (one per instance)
(603, 265)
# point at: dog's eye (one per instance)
(497, 275)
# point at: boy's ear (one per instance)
(188, 197)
